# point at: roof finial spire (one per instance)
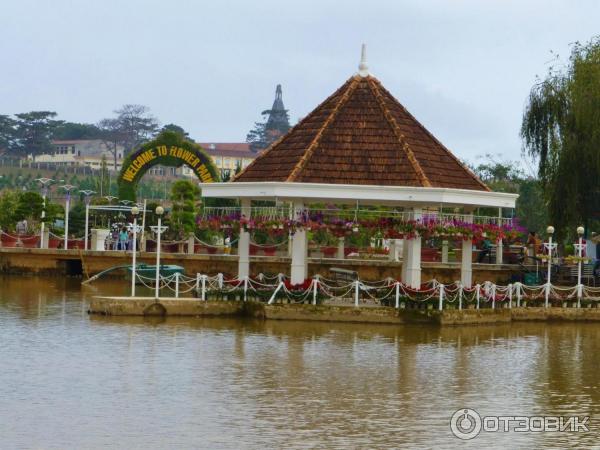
(363, 68)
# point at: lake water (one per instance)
(68, 380)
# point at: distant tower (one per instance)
(277, 123)
(278, 120)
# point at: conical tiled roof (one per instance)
(361, 135)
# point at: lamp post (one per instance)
(134, 212)
(550, 247)
(88, 198)
(158, 229)
(68, 188)
(45, 182)
(110, 198)
(579, 247)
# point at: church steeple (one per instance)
(278, 118)
(276, 124)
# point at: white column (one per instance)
(340, 249)
(499, 244)
(413, 256)
(45, 238)
(133, 256)
(404, 259)
(190, 244)
(499, 251)
(466, 267)
(444, 251)
(413, 262)
(67, 207)
(87, 219)
(299, 269)
(244, 244)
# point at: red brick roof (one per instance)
(361, 135)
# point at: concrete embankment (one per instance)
(138, 306)
(88, 263)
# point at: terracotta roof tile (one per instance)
(361, 135)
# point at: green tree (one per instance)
(9, 201)
(561, 128)
(184, 195)
(77, 219)
(7, 133)
(73, 130)
(136, 125)
(102, 179)
(508, 176)
(29, 206)
(177, 129)
(34, 131)
(275, 124)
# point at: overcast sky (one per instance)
(462, 67)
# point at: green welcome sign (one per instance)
(168, 149)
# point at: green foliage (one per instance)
(34, 130)
(7, 132)
(29, 206)
(184, 195)
(77, 219)
(9, 201)
(169, 139)
(508, 176)
(72, 130)
(561, 128)
(54, 211)
(177, 129)
(102, 180)
(135, 125)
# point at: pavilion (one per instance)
(360, 145)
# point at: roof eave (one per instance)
(365, 194)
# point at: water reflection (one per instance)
(73, 381)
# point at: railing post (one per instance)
(356, 292)
(510, 293)
(493, 296)
(518, 286)
(272, 299)
(441, 305)
(460, 296)
(204, 287)
(245, 287)
(477, 288)
(397, 294)
(315, 288)
(176, 284)
(220, 280)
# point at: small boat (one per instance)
(149, 271)
(145, 270)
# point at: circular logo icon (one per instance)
(465, 424)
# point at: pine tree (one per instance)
(275, 124)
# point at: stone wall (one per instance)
(127, 306)
(60, 262)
